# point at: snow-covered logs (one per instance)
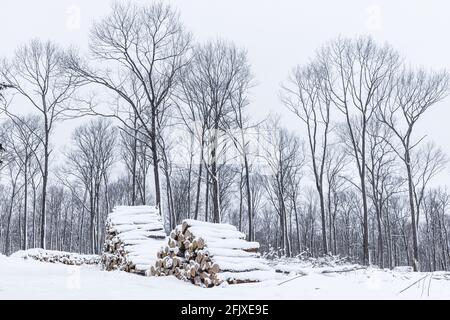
(133, 236)
(54, 256)
(208, 254)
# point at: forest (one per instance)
(165, 121)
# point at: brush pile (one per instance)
(52, 256)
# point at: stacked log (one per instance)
(207, 254)
(52, 256)
(133, 236)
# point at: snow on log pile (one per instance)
(133, 236)
(208, 254)
(53, 256)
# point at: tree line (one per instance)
(169, 125)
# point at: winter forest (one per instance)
(164, 120)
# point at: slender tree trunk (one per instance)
(251, 236)
(154, 149)
(415, 261)
(330, 229)
(92, 217)
(240, 201)
(364, 195)
(134, 163)
(97, 210)
(191, 157)
(199, 179)
(44, 193)
(380, 239)
(215, 178)
(25, 206)
(323, 219)
(294, 203)
(71, 227)
(197, 195)
(34, 216)
(207, 196)
(8, 221)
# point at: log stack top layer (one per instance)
(208, 254)
(134, 234)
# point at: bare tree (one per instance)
(427, 162)
(15, 169)
(283, 153)
(241, 140)
(381, 167)
(358, 74)
(36, 72)
(218, 75)
(144, 45)
(89, 162)
(414, 92)
(25, 140)
(335, 164)
(307, 96)
(135, 155)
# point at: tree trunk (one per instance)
(207, 195)
(215, 179)
(25, 206)
(199, 180)
(323, 220)
(8, 221)
(294, 203)
(44, 193)
(154, 147)
(34, 216)
(415, 261)
(251, 236)
(364, 196)
(240, 202)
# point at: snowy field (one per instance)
(29, 279)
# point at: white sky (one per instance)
(277, 34)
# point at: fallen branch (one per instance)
(445, 276)
(413, 284)
(343, 271)
(296, 277)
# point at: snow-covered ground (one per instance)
(28, 279)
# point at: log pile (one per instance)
(52, 256)
(207, 254)
(133, 236)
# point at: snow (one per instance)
(142, 215)
(240, 264)
(29, 279)
(230, 252)
(208, 233)
(231, 244)
(254, 275)
(210, 225)
(219, 235)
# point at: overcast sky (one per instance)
(277, 34)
